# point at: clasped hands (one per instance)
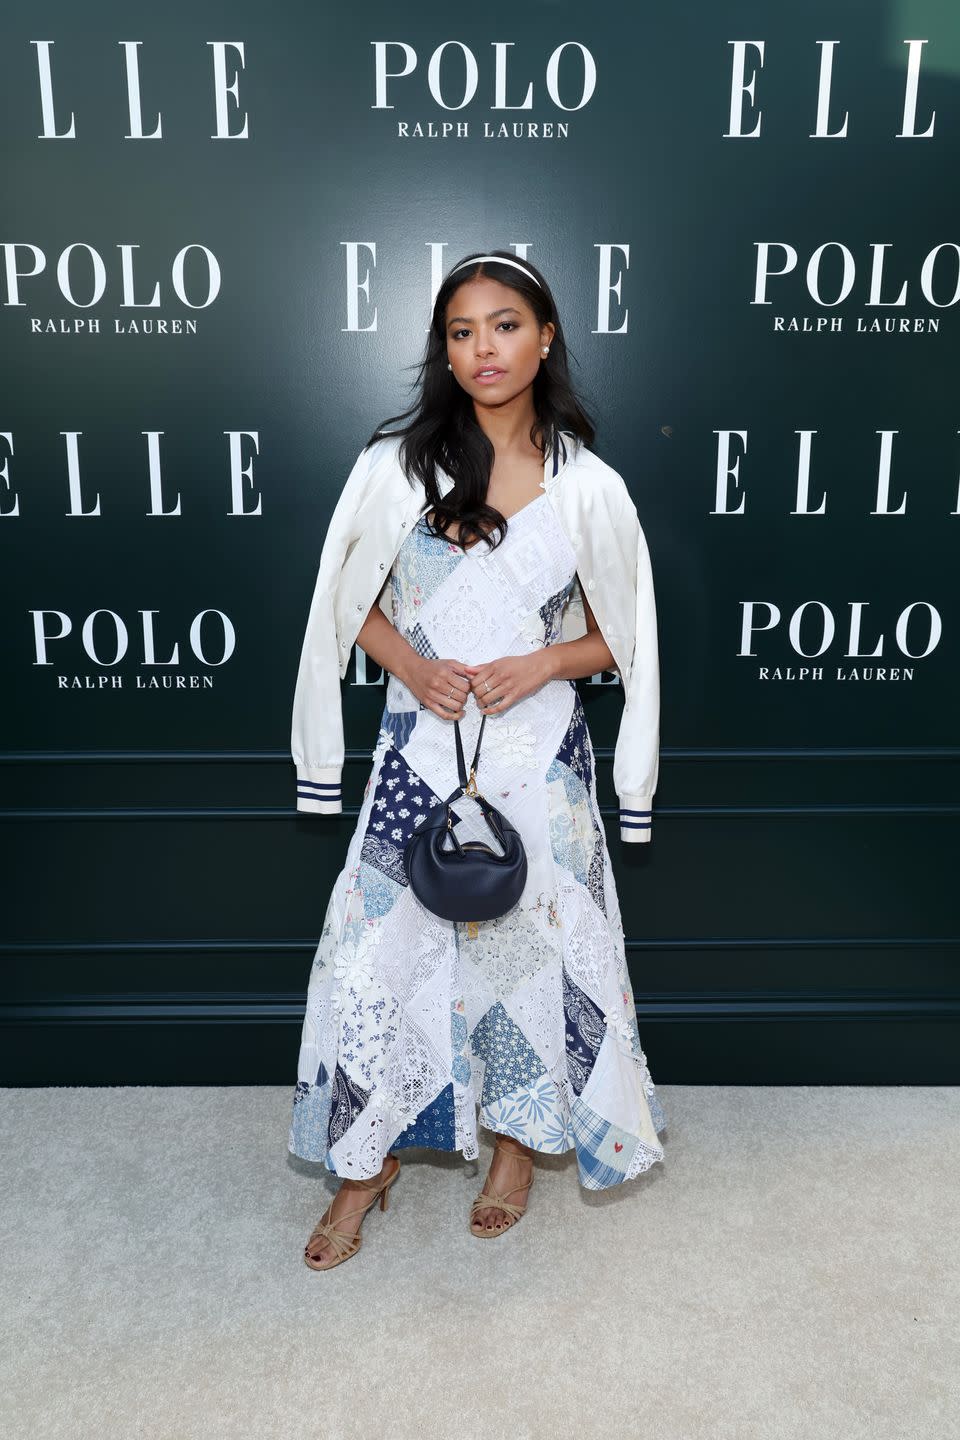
(444, 685)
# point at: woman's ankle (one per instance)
(509, 1145)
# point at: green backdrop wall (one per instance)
(223, 229)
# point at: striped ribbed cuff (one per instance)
(318, 791)
(636, 818)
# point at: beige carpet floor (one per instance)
(791, 1271)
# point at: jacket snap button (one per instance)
(381, 564)
(591, 584)
(359, 607)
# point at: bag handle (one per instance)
(468, 786)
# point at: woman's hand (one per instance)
(441, 685)
(508, 680)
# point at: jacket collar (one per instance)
(556, 460)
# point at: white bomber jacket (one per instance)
(373, 516)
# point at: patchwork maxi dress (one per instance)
(412, 1022)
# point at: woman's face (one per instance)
(489, 326)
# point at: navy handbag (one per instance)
(469, 881)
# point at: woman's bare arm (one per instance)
(576, 659)
(431, 681)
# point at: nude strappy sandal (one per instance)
(344, 1244)
(493, 1201)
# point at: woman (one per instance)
(460, 557)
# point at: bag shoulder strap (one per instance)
(461, 767)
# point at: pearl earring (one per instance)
(449, 366)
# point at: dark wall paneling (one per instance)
(863, 937)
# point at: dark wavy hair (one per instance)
(443, 429)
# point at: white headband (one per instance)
(499, 260)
